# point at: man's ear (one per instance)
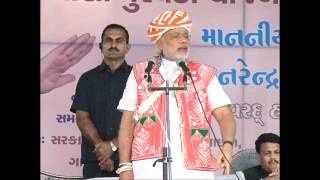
(128, 47)
(159, 45)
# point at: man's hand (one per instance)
(103, 151)
(107, 165)
(56, 62)
(126, 175)
(275, 174)
(227, 149)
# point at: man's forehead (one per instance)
(270, 146)
(114, 32)
(176, 30)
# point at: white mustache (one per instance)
(183, 47)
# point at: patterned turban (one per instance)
(166, 21)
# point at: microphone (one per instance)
(181, 62)
(151, 62)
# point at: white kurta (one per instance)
(143, 169)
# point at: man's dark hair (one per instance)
(266, 138)
(115, 26)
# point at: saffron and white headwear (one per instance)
(166, 21)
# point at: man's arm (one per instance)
(227, 126)
(226, 122)
(102, 148)
(125, 140)
(87, 128)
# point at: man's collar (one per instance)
(103, 66)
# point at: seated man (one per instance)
(268, 153)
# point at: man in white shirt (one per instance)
(143, 132)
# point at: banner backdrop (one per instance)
(241, 38)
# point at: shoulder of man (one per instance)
(202, 67)
(252, 173)
(92, 70)
(199, 63)
(141, 64)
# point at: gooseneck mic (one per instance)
(151, 62)
(182, 63)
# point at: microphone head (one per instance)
(151, 62)
(151, 59)
(182, 63)
(181, 60)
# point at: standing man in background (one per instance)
(95, 103)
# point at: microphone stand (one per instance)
(166, 154)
